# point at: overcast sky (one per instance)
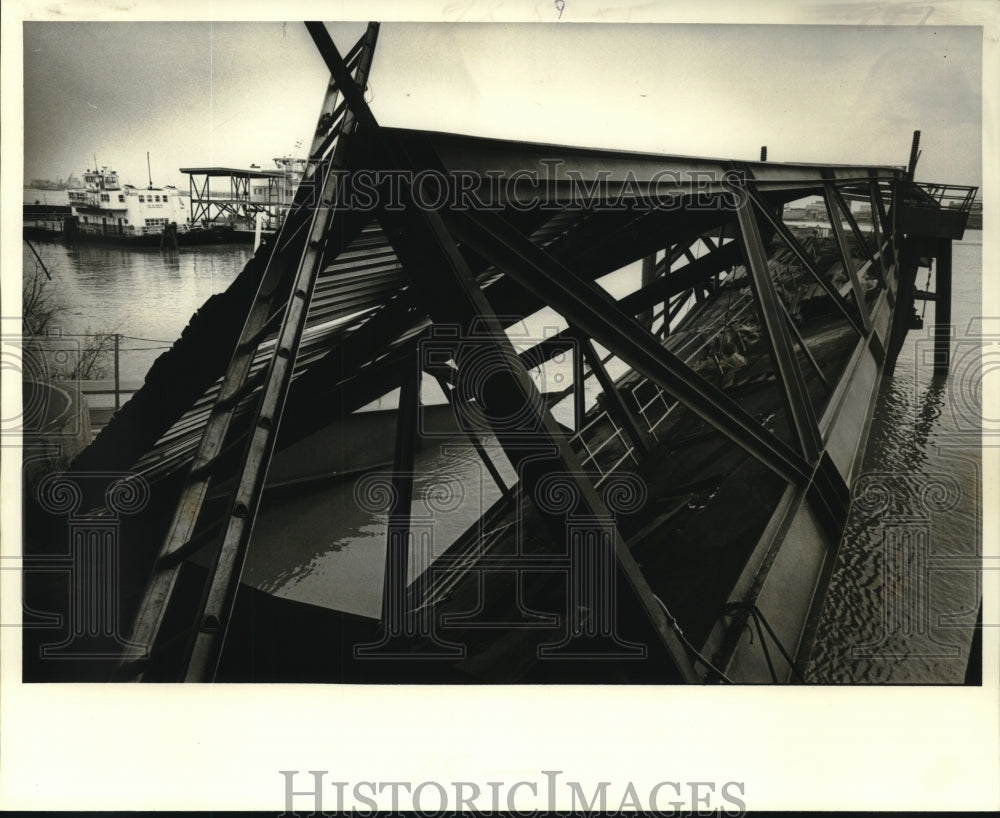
(197, 94)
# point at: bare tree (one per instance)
(40, 307)
(86, 357)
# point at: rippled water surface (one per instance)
(904, 595)
(147, 295)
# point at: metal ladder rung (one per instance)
(196, 543)
(225, 402)
(250, 344)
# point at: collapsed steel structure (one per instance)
(382, 271)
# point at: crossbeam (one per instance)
(596, 313)
(794, 392)
(535, 445)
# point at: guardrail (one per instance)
(936, 211)
(949, 197)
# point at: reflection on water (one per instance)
(145, 294)
(326, 544)
(904, 594)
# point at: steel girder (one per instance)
(662, 288)
(532, 440)
(588, 307)
(556, 172)
(810, 266)
(794, 392)
(833, 211)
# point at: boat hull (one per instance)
(55, 229)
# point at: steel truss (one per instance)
(472, 273)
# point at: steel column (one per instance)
(805, 350)
(472, 436)
(880, 218)
(397, 537)
(648, 276)
(224, 576)
(579, 389)
(942, 307)
(877, 230)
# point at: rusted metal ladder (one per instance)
(197, 645)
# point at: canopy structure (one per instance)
(233, 198)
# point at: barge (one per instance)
(676, 525)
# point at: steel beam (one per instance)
(859, 236)
(878, 219)
(648, 276)
(590, 308)
(845, 255)
(794, 392)
(663, 288)
(224, 576)
(652, 173)
(618, 409)
(672, 254)
(579, 389)
(472, 437)
(878, 207)
(397, 536)
(805, 351)
(605, 247)
(671, 311)
(810, 266)
(534, 444)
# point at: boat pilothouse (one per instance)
(104, 206)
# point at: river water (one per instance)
(902, 598)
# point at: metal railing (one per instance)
(647, 408)
(603, 470)
(948, 197)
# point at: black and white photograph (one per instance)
(498, 359)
